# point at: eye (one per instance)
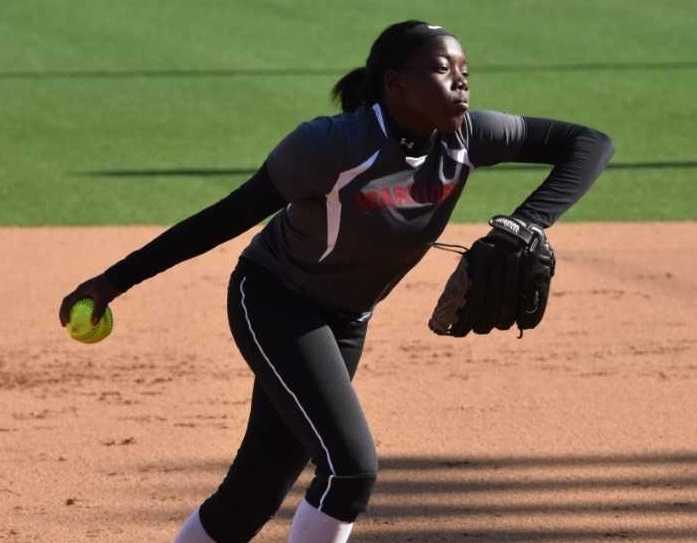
(442, 69)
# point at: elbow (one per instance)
(603, 148)
(606, 145)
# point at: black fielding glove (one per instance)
(502, 280)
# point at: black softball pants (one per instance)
(303, 407)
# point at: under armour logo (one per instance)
(404, 142)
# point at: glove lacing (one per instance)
(450, 247)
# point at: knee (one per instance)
(344, 497)
(349, 495)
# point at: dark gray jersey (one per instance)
(357, 213)
(361, 212)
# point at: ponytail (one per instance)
(350, 90)
(390, 51)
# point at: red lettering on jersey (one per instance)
(427, 193)
(447, 190)
(384, 197)
(365, 200)
(401, 195)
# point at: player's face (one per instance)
(433, 87)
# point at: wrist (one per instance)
(111, 285)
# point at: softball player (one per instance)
(358, 200)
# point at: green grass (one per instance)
(56, 126)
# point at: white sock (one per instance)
(192, 531)
(310, 525)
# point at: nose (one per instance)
(460, 82)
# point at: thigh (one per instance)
(350, 336)
(295, 355)
(269, 451)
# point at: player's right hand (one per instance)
(99, 289)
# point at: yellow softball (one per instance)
(80, 326)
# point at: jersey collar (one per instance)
(410, 147)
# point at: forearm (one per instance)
(236, 213)
(579, 155)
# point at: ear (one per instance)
(394, 84)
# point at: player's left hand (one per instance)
(502, 280)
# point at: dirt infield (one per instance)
(583, 431)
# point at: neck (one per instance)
(414, 140)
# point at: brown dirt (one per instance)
(584, 430)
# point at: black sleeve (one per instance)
(243, 208)
(578, 153)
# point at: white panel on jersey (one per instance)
(381, 121)
(460, 157)
(415, 161)
(334, 204)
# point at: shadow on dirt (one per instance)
(642, 497)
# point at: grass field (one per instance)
(144, 112)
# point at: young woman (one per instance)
(359, 198)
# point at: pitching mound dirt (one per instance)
(584, 430)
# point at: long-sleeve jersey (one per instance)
(357, 212)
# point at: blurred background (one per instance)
(143, 112)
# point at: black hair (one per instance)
(390, 51)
